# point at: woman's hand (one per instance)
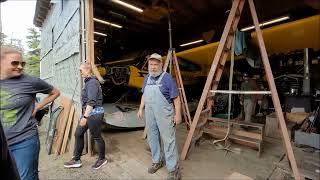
(83, 121)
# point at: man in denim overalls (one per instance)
(161, 103)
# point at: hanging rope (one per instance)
(230, 89)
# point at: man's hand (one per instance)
(140, 114)
(83, 121)
(177, 118)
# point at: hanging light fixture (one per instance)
(272, 21)
(127, 5)
(107, 23)
(193, 42)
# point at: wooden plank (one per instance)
(274, 94)
(235, 5)
(74, 127)
(232, 136)
(67, 131)
(239, 132)
(66, 103)
(257, 125)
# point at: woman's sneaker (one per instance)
(73, 163)
(99, 163)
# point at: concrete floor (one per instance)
(129, 159)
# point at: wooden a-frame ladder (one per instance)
(173, 61)
(203, 111)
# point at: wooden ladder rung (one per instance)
(214, 82)
(226, 49)
(231, 32)
(256, 125)
(233, 137)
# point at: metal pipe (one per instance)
(231, 76)
(170, 37)
(239, 92)
(306, 78)
(169, 25)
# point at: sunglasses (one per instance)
(17, 63)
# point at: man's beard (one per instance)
(155, 74)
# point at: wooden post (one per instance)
(90, 49)
(90, 38)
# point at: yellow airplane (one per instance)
(291, 36)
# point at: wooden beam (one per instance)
(90, 58)
(67, 131)
(274, 94)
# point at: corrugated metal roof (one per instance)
(42, 8)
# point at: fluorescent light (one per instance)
(107, 23)
(128, 5)
(272, 21)
(193, 42)
(99, 33)
(93, 41)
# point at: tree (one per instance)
(11, 42)
(33, 55)
(3, 39)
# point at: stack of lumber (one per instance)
(65, 127)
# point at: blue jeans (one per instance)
(26, 155)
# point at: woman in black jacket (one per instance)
(92, 116)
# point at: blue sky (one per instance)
(17, 17)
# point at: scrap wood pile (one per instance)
(307, 131)
(312, 123)
(61, 126)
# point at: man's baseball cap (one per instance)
(155, 56)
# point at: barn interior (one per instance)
(126, 34)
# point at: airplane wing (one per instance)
(300, 34)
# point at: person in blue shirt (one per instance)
(162, 109)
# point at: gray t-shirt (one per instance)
(17, 101)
